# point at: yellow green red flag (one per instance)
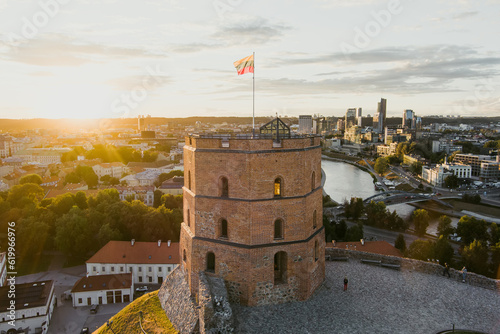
(244, 65)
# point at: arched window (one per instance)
(280, 260)
(184, 255)
(314, 219)
(224, 187)
(223, 228)
(189, 180)
(189, 218)
(313, 181)
(278, 229)
(316, 250)
(277, 187)
(211, 262)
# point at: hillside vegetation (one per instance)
(154, 320)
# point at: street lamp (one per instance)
(109, 326)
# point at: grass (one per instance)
(154, 319)
(404, 187)
(477, 208)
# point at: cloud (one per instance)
(401, 70)
(60, 50)
(464, 15)
(256, 31)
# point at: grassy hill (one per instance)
(154, 318)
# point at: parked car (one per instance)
(85, 330)
(141, 289)
(94, 308)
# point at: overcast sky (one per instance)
(170, 58)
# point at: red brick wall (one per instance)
(251, 166)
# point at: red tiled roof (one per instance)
(103, 282)
(377, 247)
(139, 253)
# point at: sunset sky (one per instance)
(170, 58)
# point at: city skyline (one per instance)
(94, 59)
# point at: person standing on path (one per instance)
(464, 274)
(446, 270)
(345, 283)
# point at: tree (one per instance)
(494, 233)
(416, 168)
(443, 250)
(114, 181)
(72, 178)
(81, 200)
(23, 194)
(394, 222)
(62, 204)
(376, 213)
(471, 228)
(444, 226)
(420, 218)
(381, 165)
(451, 181)
(354, 233)
(341, 229)
(87, 174)
(30, 178)
(400, 243)
(421, 250)
(475, 256)
(73, 235)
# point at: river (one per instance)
(344, 181)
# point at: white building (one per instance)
(103, 289)
(445, 146)
(34, 304)
(144, 194)
(149, 262)
(146, 178)
(435, 176)
(113, 169)
(43, 156)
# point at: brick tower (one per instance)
(253, 214)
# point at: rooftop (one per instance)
(103, 282)
(378, 300)
(138, 253)
(28, 295)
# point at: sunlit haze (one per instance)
(110, 58)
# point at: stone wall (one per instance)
(175, 299)
(415, 265)
(216, 315)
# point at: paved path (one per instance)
(378, 300)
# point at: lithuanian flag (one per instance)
(244, 65)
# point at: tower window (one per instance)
(223, 228)
(313, 181)
(278, 229)
(224, 187)
(189, 217)
(277, 187)
(314, 219)
(316, 250)
(189, 180)
(183, 255)
(280, 260)
(211, 262)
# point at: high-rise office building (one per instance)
(408, 115)
(305, 124)
(382, 113)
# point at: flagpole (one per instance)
(253, 104)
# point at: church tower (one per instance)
(253, 214)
